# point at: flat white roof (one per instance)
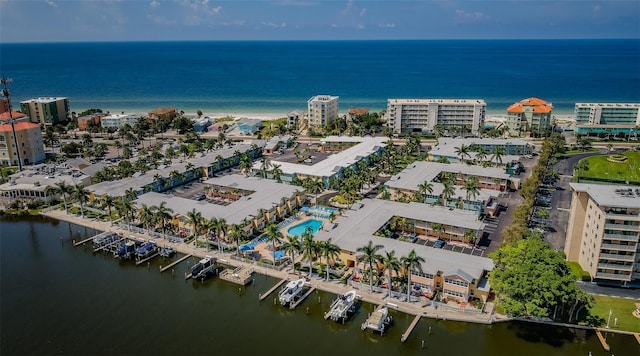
(356, 228)
(606, 195)
(457, 142)
(333, 163)
(267, 193)
(437, 101)
(419, 171)
(44, 100)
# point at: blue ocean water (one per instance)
(278, 76)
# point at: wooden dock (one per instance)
(139, 262)
(406, 334)
(162, 269)
(364, 325)
(637, 336)
(83, 241)
(240, 275)
(107, 245)
(267, 293)
(603, 341)
(304, 296)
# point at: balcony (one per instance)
(613, 256)
(618, 277)
(622, 215)
(622, 227)
(621, 237)
(619, 247)
(615, 267)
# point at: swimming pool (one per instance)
(300, 228)
(277, 254)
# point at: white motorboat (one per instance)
(204, 268)
(378, 320)
(343, 306)
(291, 291)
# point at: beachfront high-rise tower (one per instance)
(532, 114)
(322, 109)
(609, 118)
(46, 111)
(422, 115)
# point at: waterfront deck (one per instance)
(108, 246)
(267, 293)
(407, 333)
(139, 262)
(301, 299)
(162, 269)
(106, 233)
(603, 341)
(240, 275)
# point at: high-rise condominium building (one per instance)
(422, 115)
(603, 234)
(530, 114)
(612, 118)
(46, 111)
(322, 109)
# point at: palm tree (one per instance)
(276, 171)
(237, 233)
(125, 209)
(390, 263)
(80, 193)
(265, 164)
(447, 192)
(330, 251)
(109, 202)
(424, 188)
(462, 151)
(471, 186)
(146, 216)
(313, 186)
(163, 215)
(50, 190)
(64, 189)
(370, 255)
(481, 154)
(245, 164)
(195, 218)
(411, 263)
(131, 194)
(273, 234)
(221, 229)
(497, 153)
(309, 247)
(437, 228)
(291, 247)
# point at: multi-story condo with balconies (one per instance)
(532, 114)
(322, 109)
(422, 115)
(610, 118)
(28, 137)
(117, 121)
(603, 234)
(46, 111)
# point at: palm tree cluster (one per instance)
(389, 263)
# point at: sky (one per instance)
(168, 20)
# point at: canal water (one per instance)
(61, 299)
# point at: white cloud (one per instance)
(274, 25)
(51, 3)
(202, 5)
(387, 25)
(462, 16)
(363, 11)
(294, 3)
(160, 20)
(154, 3)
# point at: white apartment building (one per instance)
(119, 120)
(603, 234)
(322, 109)
(607, 114)
(422, 115)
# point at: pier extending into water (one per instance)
(264, 295)
(240, 275)
(301, 299)
(603, 341)
(102, 234)
(162, 269)
(407, 333)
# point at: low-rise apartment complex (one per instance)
(46, 111)
(422, 115)
(603, 234)
(117, 121)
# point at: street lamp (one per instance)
(6, 93)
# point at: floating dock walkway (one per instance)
(240, 275)
(267, 293)
(102, 234)
(162, 269)
(407, 333)
(637, 336)
(603, 341)
(108, 245)
(139, 262)
(304, 296)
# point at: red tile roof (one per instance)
(539, 106)
(532, 102)
(14, 114)
(515, 108)
(19, 126)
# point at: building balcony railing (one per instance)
(613, 256)
(621, 237)
(619, 277)
(622, 227)
(622, 216)
(615, 267)
(619, 247)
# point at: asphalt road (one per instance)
(593, 288)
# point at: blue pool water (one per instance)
(251, 245)
(277, 254)
(300, 228)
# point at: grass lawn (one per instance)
(620, 308)
(578, 272)
(577, 151)
(601, 168)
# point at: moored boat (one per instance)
(378, 320)
(343, 306)
(291, 291)
(167, 251)
(203, 268)
(147, 249)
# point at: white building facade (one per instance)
(422, 115)
(322, 109)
